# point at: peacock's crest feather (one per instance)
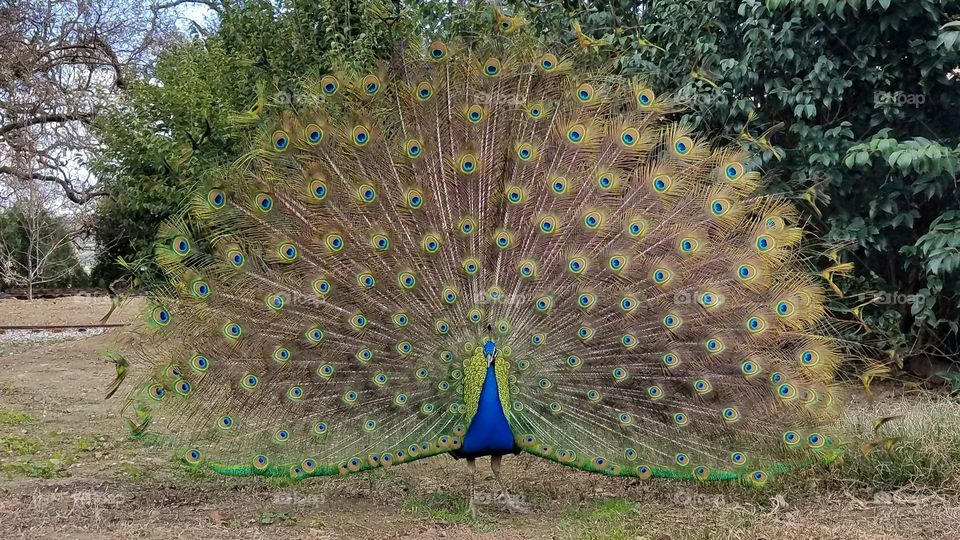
(329, 295)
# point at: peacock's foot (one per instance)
(473, 507)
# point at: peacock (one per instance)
(480, 248)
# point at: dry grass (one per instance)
(925, 453)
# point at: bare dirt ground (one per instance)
(69, 470)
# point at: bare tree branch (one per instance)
(46, 118)
(216, 6)
(79, 197)
(118, 81)
(62, 62)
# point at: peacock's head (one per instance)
(488, 349)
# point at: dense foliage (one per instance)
(859, 97)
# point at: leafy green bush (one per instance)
(863, 93)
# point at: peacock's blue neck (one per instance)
(489, 433)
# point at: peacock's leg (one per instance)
(495, 467)
(472, 465)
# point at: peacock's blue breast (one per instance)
(489, 433)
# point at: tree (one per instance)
(37, 247)
(177, 124)
(61, 63)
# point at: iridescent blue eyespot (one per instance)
(314, 335)
(183, 388)
(785, 308)
(585, 92)
(815, 440)
(787, 391)
(661, 183)
(370, 84)
(491, 67)
(199, 363)
(280, 140)
(216, 198)
(671, 321)
(671, 360)
(161, 316)
(437, 51)
(734, 171)
(329, 83)
(719, 207)
(548, 62)
(181, 245)
(281, 354)
(366, 280)
(156, 392)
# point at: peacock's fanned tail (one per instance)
(326, 293)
